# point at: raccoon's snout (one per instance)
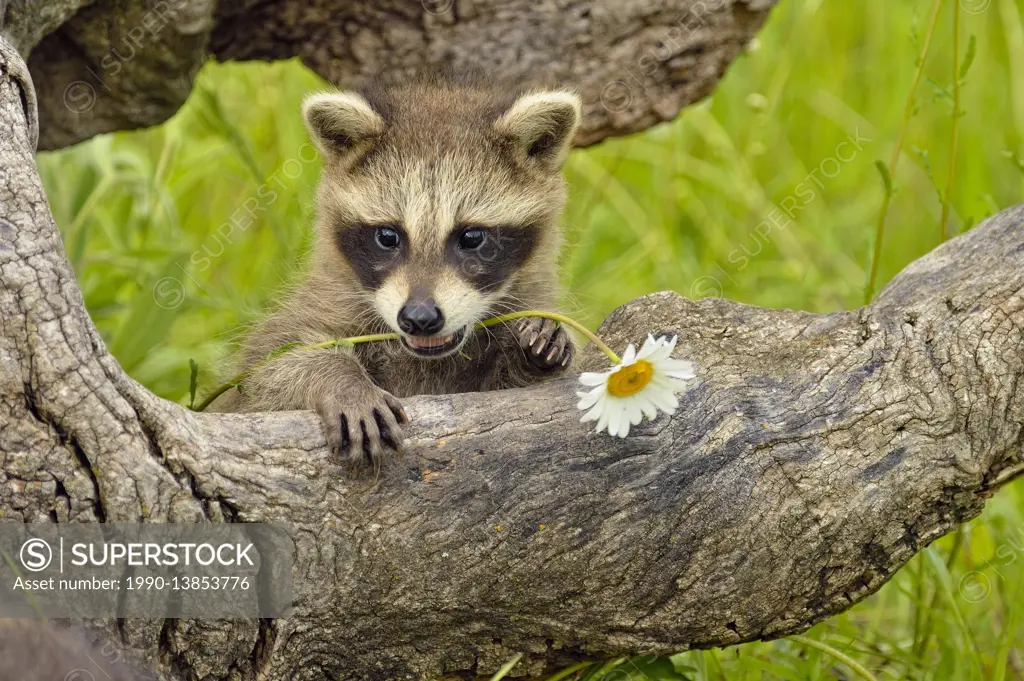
(422, 320)
(420, 317)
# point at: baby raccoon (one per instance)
(438, 208)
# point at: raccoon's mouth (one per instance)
(434, 346)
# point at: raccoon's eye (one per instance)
(472, 238)
(387, 238)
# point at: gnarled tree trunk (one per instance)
(116, 64)
(817, 454)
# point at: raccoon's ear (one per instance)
(342, 124)
(542, 125)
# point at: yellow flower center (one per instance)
(631, 379)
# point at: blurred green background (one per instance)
(156, 227)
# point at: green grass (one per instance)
(147, 216)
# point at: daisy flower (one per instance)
(640, 385)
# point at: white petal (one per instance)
(594, 413)
(669, 403)
(602, 423)
(676, 368)
(589, 399)
(648, 407)
(680, 385)
(634, 412)
(665, 347)
(656, 355)
(649, 347)
(615, 419)
(629, 356)
(624, 427)
(677, 384)
(664, 353)
(665, 384)
(665, 400)
(592, 378)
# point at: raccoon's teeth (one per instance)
(430, 342)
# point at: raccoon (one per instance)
(438, 207)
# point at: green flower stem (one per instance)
(356, 340)
(562, 319)
(350, 342)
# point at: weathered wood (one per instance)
(815, 457)
(129, 63)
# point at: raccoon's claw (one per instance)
(546, 344)
(363, 425)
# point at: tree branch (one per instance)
(127, 64)
(815, 457)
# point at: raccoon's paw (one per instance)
(363, 425)
(547, 346)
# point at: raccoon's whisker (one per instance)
(369, 319)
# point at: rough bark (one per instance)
(817, 454)
(129, 63)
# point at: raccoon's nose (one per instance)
(420, 318)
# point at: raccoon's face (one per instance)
(442, 205)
